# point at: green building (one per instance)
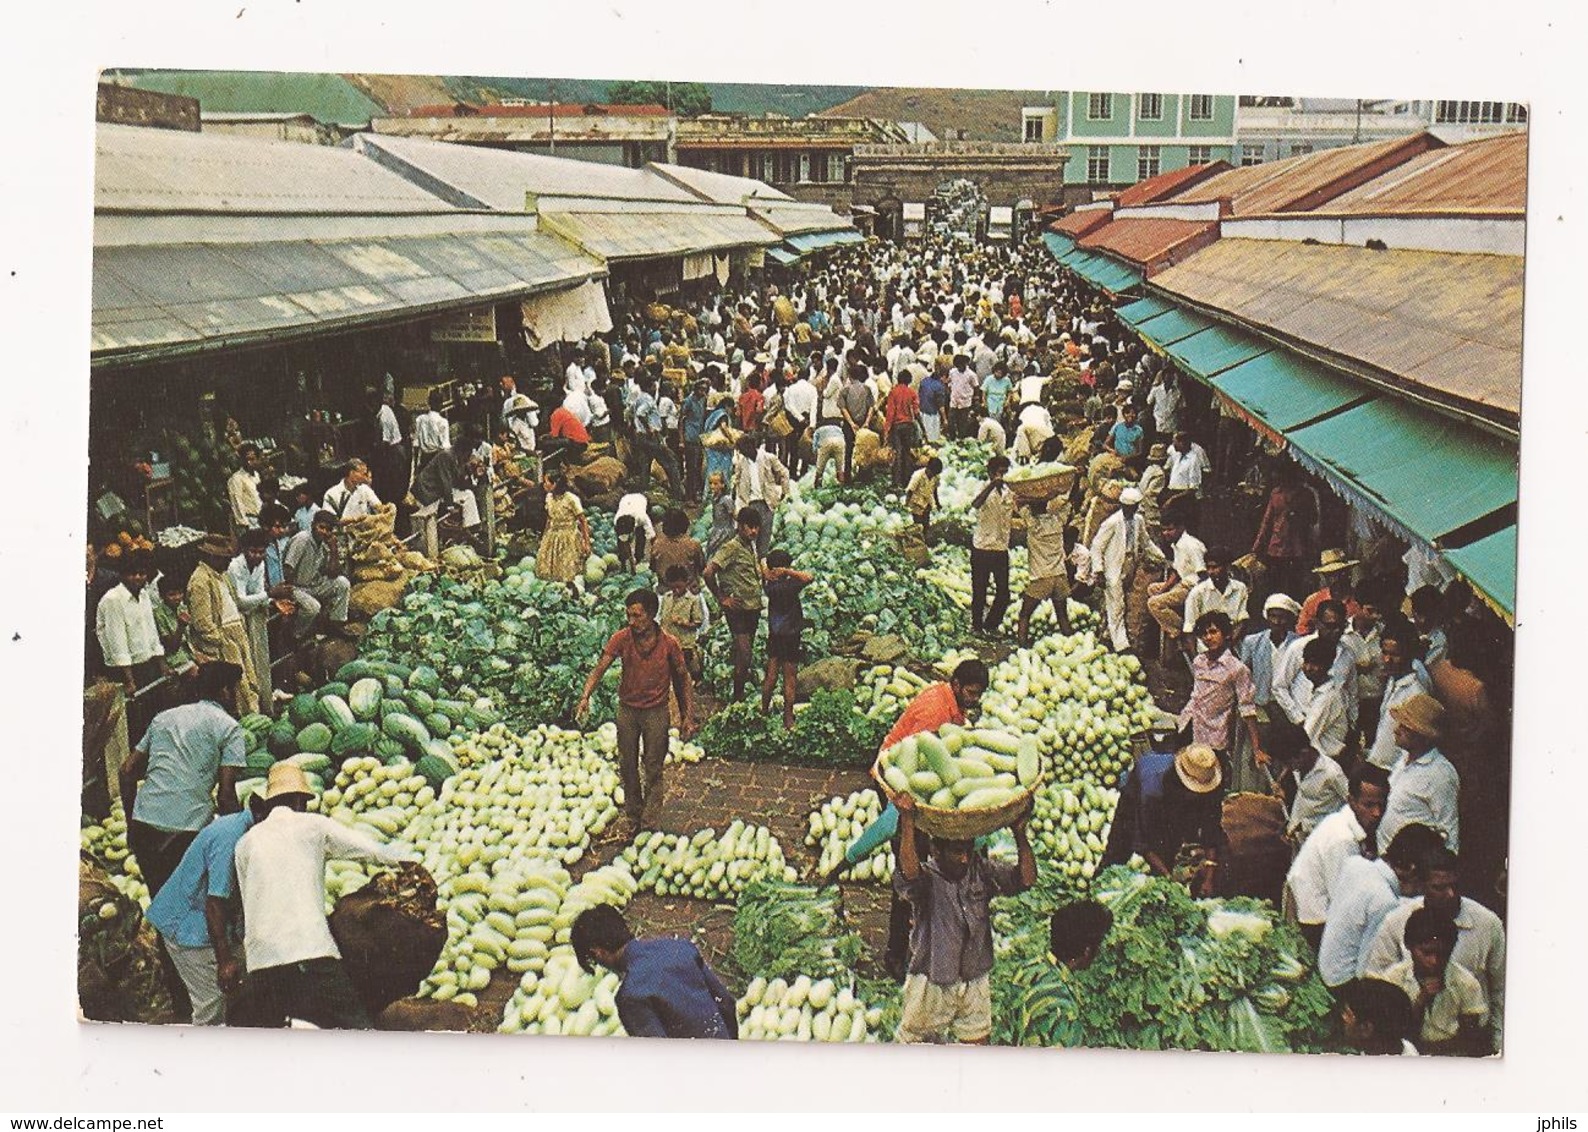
(1118, 139)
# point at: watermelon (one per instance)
(315, 738)
(455, 710)
(435, 771)
(334, 688)
(304, 709)
(356, 739)
(364, 698)
(406, 730)
(392, 705)
(256, 722)
(387, 748)
(283, 740)
(260, 762)
(438, 724)
(355, 670)
(421, 701)
(335, 713)
(253, 740)
(311, 764)
(441, 749)
(394, 687)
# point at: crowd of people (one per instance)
(1355, 707)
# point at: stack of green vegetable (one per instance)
(950, 572)
(784, 929)
(837, 823)
(806, 1011)
(884, 691)
(956, 769)
(706, 866)
(828, 731)
(1069, 826)
(1173, 973)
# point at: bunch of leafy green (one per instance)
(1173, 973)
(830, 731)
(783, 930)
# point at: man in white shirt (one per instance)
(1119, 548)
(1404, 677)
(351, 497)
(432, 433)
(1188, 562)
(1287, 672)
(1480, 939)
(124, 624)
(1316, 785)
(1319, 696)
(1366, 892)
(1348, 832)
(1187, 466)
(1164, 401)
(242, 489)
(391, 462)
(294, 966)
(253, 596)
(1424, 787)
(1218, 590)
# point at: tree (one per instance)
(687, 99)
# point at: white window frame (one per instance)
(1103, 101)
(1199, 155)
(1205, 100)
(1094, 154)
(1033, 129)
(1300, 149)
(1251, 155)
(1149, 161)
(1142, 104)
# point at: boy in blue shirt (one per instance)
(785, 620)
(668, 989)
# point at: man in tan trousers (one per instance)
(216, 630)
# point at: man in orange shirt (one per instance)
(933, 706)
(565, 439)
(1334, 584)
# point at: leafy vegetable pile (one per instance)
(783, 930)
(1174, 973)
(829, 731)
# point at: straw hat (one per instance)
(1422, 714)
(1198, 768)
(1158, 453)
(217, 545)
(285, 779)
(518, 403)
(1332, 561)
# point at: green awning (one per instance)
(1280, 390)
(1059, 244)
(1490, 565)
(1132, 314)
(1429, 475)
(1216, 349)
(816, 241)
(1171, 326)
(1109, 274)
(782, 255)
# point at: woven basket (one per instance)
(958, 825)
(1043, 488)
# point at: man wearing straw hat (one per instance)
(1424, 787)
(294, 966)
(1186, 832)
(1153, 481)
(1334, 584)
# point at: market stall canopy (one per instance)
(1490, 565)
(1078, 224)
(1429, 474)
(1279, 390)
(569, 315)
(719, 188)
(800, 219)
(1447, 324)
(816, 241)
(783, 256)
(1172, 325)
(624, 235)
(1150, 242)
(1216, 349)
(1098, 270)
(162, 288)
(1133, 314)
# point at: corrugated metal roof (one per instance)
(144, 170)
(617, 235)
(1166, 185)
(1307, 180)
(153, 297)
(1450, 323)
(793, 219)
(1145, 241)
(720, 188)
(1080, 223)
(500, 179)
(1487, 176)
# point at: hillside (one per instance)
(982, 115)
(733, 98)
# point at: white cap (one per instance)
(1130, 497)
(1282, 601)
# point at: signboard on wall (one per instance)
(477, 325)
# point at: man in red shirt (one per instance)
(751, 403)
(565, 439)
(653, 666)
(901, 417)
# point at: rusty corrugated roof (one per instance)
(1078, 224)
(1487, 176)
(1306, 181)
(1450, 323)
(1166, 185)
(1145, 241)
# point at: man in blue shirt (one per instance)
(193, 915)
(934, 396)
(668, 990)
(693, 422)
(1125, 438)
(1140, 792)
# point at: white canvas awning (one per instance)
(570, 315)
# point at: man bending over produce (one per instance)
(668, 989)
(947, 993)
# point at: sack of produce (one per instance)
(599, 476)
(390, 933)
(966, 782)
(119, 974)
(869, 450)
(424, 1015)
(1251, 820)
(833, 674)
(369, 598)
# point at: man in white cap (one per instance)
(294, 967)
(1424, 787)
(1260, 652)
(1118, 550)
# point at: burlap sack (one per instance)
(390, 933)
(598, 477)
(369, 598)
(1253, 820)
(120, 977)
(869, 450)
(425, 1015)
(832, 674)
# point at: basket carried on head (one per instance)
(1043, 488)
(958, 825)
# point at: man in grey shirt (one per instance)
(947, 992)
(310, 567)
(855, 402)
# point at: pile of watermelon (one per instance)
(373, 708)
